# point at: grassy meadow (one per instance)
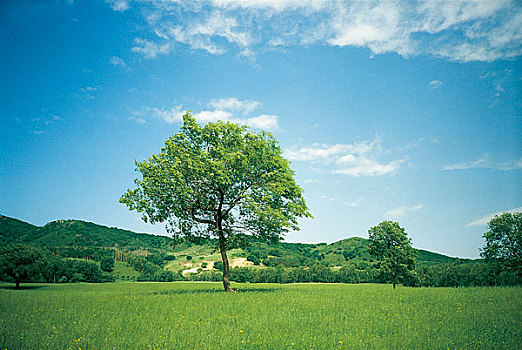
(261, 316)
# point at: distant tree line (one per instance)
(25, 263)
(458, 274)
(151, 268)
(389, 246)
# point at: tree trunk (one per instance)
(224, 258)
(393, 284)
(226, 266)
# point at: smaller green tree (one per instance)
(21, 263)
(107, 264)
(390, 244)
(504, 241)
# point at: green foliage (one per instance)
(275, 252)
(218, 265)
(24, 263)
(390, 244)
(152, 272)
(221, 181)
(156, 258)
(261, 316)
(219, 168)
(76, 233)
(504, 241)
(107, 264)
(15, 231)
(20, 263)
(256, 256)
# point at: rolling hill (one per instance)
(77, 233)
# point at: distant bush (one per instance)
(107, 264)
(256, 256)
(218, 265)
(275, 252)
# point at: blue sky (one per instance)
(408, 111)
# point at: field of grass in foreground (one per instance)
(261, 316)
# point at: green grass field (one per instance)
(260, 316)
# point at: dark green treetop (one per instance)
(21, 262)
(504, 241)
(390, 244)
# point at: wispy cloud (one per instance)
(483, 221)
(354, 203)
(263, 121)
(119, 5)
(487, 163)
(328, 198)
(235, 105)
(226, 109)
(357, 159)
(467, 30)
(151, 49)
(173, 115)
(435, 84)
(402, 211)
(40, 123)
(138, 120)
(116, 61)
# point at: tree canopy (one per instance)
(20, 262)
(504, 241)
(390, 244)
(220, 180)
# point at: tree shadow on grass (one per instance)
(22, 287)
(213, 291)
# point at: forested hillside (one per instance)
(126, 255)
(76, 233)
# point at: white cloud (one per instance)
(357, 159)
(116, 61)
(377, 26)
(277, 5)
(174, 115)
(226, 111)
(205, 31)
(370, 167)
(212, 116)
(119, 5)
(465, 30)
(150, 49)
(486, 162)
(483, 221)
(234, 105)
(264, 121)
(402, 211)
(435, 84)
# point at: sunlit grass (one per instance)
(261, 316)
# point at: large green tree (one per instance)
(21, 263)
(504, 241)
(390, 244)
(220, 180)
